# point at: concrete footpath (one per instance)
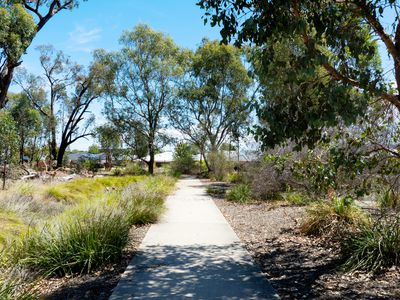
(193, 253)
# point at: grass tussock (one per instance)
(83, 189)
(91, 234)
(14, 285)
(374, 247)
(10, 226)
(296, 198)
(240, 193)
(333, 219)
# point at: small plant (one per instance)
(373, 247)
(240, 193)
(235, 177)
(13, 287)
(389, 200)
(333, 219)
(296, 198)
(117, 172)
(133, 169)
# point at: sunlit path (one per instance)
(192, 253)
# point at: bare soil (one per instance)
(297, 266)
(97, 285)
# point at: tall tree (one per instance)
(142, 85)
(20, 21)
(28, 122)
(333, 51)
(213, 100)
(109, 140)
(71, 91)
(8, 145)
(59, 74)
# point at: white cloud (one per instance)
(83, 39)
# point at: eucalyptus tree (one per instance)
(324, 52)
(143, 75)
(8, 145)
(109, 140)
(28, 123)
(213, 100)
(20, 21)
(63, 96)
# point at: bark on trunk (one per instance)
(151, 162)
(5, 81)
(60, 155)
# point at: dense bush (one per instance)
(133, 169)
(220, 165)
(183, 162)
(240, 193)
(374, 246)
(333, 219)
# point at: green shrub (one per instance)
(389, 200)
(240, 193)
(235, 177)
(183, 162)
(78, 241)
(220, 165)
(12, 288)
(373, 247)
(296, 198)
(117, 172)
(333, 219)
(91, 234)
(133, 169)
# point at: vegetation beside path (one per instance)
(90, 231)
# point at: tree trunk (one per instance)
(60, 155)
(53, 143)
(151, 162)
(4, 174)
(5, 81)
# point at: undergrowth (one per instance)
(374, 246)
(240, 193)
(334, 218)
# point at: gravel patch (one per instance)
(300, 267)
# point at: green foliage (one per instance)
(240, 193)
(17, 31)
(149, 62)
(333, 219)
(79, 241)
(12, 287)
(389, 200)
(84, 189)
(374, 247)
(110, 140)
(9, 142)
(94, 149)
(235, 177)
(213, 102)
(10, 225)
(183, 162)
(219, 165)
(296, 198)
(92, 234)
(133, 169)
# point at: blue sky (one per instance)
(100, 23)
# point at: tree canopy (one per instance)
(20, 21)
(331, 54)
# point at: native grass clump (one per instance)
(91, 231)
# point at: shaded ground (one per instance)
(97, 285)
(299, 267)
